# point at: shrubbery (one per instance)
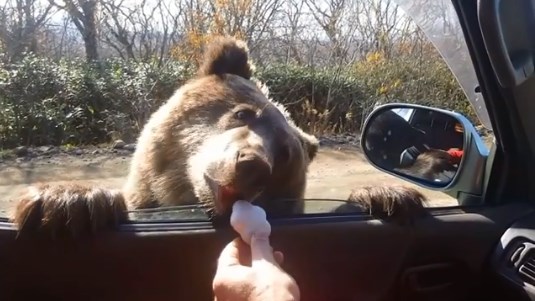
(52, 103)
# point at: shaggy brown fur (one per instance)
(395, 203)
(70, 209)
(430, 165)
(219, 138)
(226, 56)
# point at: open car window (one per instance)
(73, 108)
(439, 21)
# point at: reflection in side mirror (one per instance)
(416, 142)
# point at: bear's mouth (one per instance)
(226, 192)
(225, 195)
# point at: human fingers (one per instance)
(231, 278)
(245, 254)
(237, 252)
(261, 251)
(279, 257)
(232, 282)
(230, 255)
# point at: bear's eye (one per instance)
(245, 114)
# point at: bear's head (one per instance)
(240, 144)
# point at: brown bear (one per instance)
(218, 139)
(432, 165)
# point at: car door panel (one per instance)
(344, 258)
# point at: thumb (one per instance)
(261, 251)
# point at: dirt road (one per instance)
(334, 173)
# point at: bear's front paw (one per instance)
(68, 210)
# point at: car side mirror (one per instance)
(432, 148)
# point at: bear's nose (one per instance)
(252, 172)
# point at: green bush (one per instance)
(425, 81)
(52, 103)
(318, 99)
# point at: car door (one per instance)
(441, 256)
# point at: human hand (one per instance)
(252, 273)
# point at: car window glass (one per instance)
(73, 107)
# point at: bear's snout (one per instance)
(253, 172)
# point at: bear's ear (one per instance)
(265, 90)
(226, 55)
(310, 143)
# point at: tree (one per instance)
(244, 19)
(83, 14)
(20, 24)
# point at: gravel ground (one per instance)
(339, 168)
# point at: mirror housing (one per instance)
(468, 177)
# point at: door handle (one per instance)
(430, 278)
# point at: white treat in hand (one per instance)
(248, 220)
